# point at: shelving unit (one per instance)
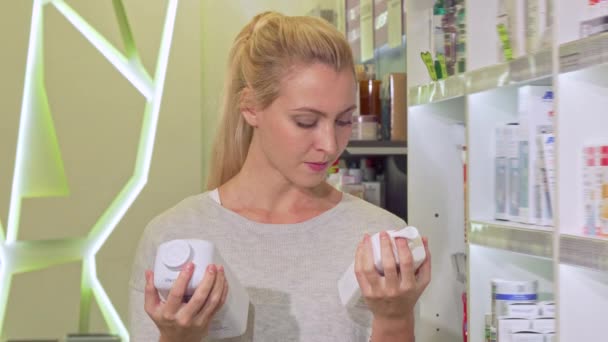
(376, 148)
(571, 269)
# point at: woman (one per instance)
(286, 234)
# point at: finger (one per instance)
(224, 297)
(198, 299)
(364, 284)
(151, 297)
(214, 297)
(391, 278)
(178, 290)
(225, 293)
(369, 268)
(424, 272)
(406, 264)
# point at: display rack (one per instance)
(571, 268)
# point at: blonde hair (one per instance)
(261, 55)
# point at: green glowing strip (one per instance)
(15, 201)
(108, 311)
(28, 256)
(141, 81)
(112, 216)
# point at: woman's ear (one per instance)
(248, 107)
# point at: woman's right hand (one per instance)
(185, 322)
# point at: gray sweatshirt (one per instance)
(290, 271)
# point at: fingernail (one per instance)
(147, 274)
(211, 268)
(220, 268)
(383, 235)
(189, 267)
(366, 237)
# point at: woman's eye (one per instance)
(343, 122)
(303, 124)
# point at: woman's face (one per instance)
(309, 124)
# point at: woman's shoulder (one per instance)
(357, 210)
(189, 212)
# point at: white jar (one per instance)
(365, 127)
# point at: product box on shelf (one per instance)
(604, 189)
(511, 142)
(545, 196)
(547, 308)
(592, 183)
(512, 14)
(537, 22)
(535, 113)
(521, 310)
(527, 336)
(543, 324)
(374, 192)
(507, 325)
(501, 175)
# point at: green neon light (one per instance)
(39, 170)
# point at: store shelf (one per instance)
(514, 237)
(518, 71)
(584, 251)
(376, 148)
(583, 53)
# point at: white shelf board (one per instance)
(526, 69)
(514, 237)
(583, 53)
(583, 251)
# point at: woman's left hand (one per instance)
(391, 297)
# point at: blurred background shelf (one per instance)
(583, 53)
(514, 237)
(584, 251)
(376, 148)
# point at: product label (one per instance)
(516, 297)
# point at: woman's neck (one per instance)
(261, 193)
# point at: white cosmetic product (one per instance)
(535, 114)
(590, 190)
(507, 325)
(357, 175)
(536, 14)
(521, 310)
(348, 287)
(603, 191)
(543, 324)
(546, 161)
(172, 256)
(547, 309)
(511, 142)
(516, 13)
(501, 175)
(507, 291)
(527, 336)
(374, 192)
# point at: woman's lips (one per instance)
(317, 167)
